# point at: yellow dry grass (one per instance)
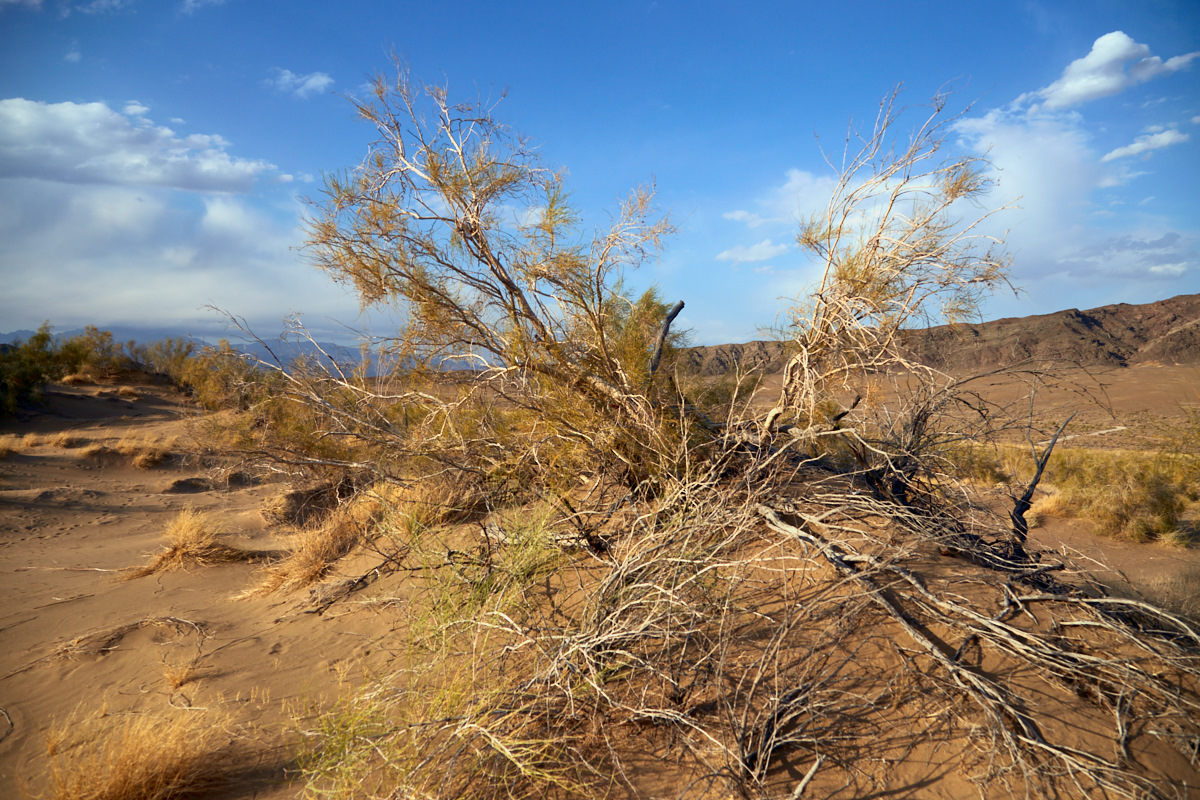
(135, 757)
(10, 444)
(317, 547)
(406, 510)
(66, 440)
(192, 538)
(143, 451)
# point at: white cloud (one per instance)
(138, 256)
(757, 252)
(793, 201)
(1102, 72)
(190, 6)
(1146, 144)
(751, 220)
(89, 143)
(73, 55)
(300, 85)
(32, 3)
(1196, 120)
(135, 109)
(103, 6)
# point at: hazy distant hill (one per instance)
(1166, 331)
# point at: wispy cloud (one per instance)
(300, 85)
(1146, 144)
(102, 6)
(190, 6)
(757, 252)
(30, 3)
(1115, 63)
(90, 143)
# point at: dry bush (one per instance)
(137, 757)
(129, 393)
(193, 537)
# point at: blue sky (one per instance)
(153, 152)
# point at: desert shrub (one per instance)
(26, 367)
(454, 224)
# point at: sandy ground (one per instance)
(77, 639)
(75, 636)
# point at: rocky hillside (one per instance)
(1166, 332)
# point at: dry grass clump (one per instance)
(179, 675)
(316, 549)
(129, 392)
(144, 451)
(66, 440)
(98, 452)
(138, 757)
(335, 527)
(10, 444)
(77, 379)
(192, 538)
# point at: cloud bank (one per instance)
(89, 143)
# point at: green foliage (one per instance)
(26, 367)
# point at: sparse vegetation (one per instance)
(193, 537)
(1139, 495)
(139, 757)
(589, 566)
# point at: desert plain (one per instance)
(90, 482)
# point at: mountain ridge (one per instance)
(1115, 335)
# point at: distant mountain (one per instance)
(265, 351)
(1164, 332)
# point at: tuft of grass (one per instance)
(317, 548)
(67, 440)
(192, 538)
(10, 444)
(129, 392)
(97, 452)
(135, 758)
(179, 675)
(144, 452)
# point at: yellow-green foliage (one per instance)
(1135, 494)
